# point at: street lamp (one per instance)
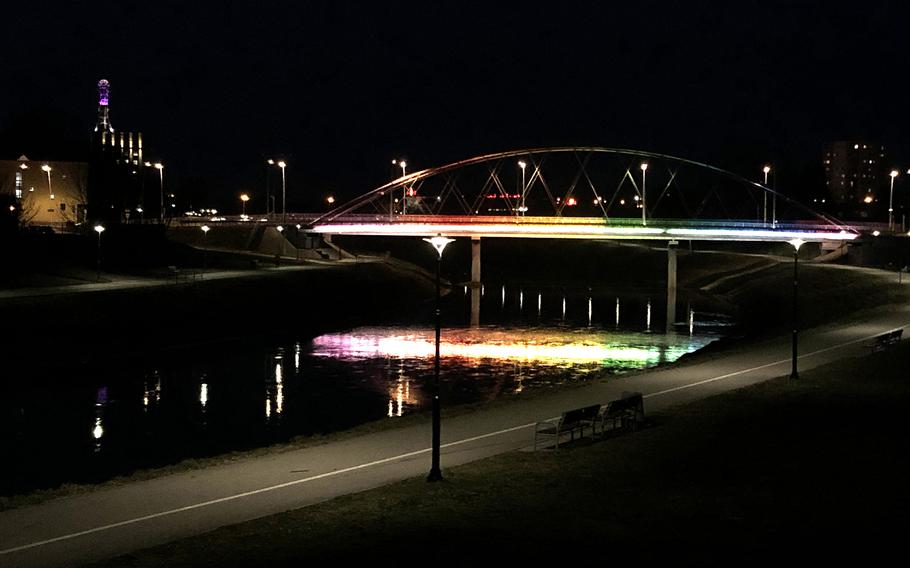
(644, 209)
(160, 167)
(268, 186)
(523, 208)
(205, 250)
(404, 187)
(280, 230)
(243, 199)
(282, 164)
(98, 229)
(796, 243)
(47, 169)
(766, 170)
(439, 243)
(890, 201)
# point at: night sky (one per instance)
(340, 89)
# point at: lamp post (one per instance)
(243, 199)
(160, 167)
(205, 250)
(268, 184)
(764, 218)
(890, 202)
(98, 229)
(644, 207)
(47, 169)
(523, 208)
(282, 164)
(796, 243)
(404, 188)
(439, 243)
(280, 230)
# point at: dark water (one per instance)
(92, 424)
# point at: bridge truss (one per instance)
(580, 192)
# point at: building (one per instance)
(110, 188)
(46, 192)
(123, 185)
(855, 174)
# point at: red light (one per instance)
(411, 192)
(571, 201)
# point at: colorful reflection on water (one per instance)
(198, 401)
(556, 347)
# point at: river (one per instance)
(91, 424)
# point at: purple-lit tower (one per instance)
(117, 170)
(104, 120)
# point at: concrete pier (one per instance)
(671, 285)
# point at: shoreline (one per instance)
(714, 349)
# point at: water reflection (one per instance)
(274, 387)
(98, 430)
(151, 390)
(552, 346)
(228, 396)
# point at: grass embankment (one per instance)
(814, 470)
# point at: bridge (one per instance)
(580, 192)
(596, 193)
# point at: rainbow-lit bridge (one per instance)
(580, 192)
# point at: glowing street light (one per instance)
(282, 164)
(766, 170)
(644, 209)
(98, 229)
(160, 167)
(280, 230)
(205, 250)
(47, 169)
(439, 243)
(522, 164)
(268, 188)
(330, 200)
(795, 243)
(404, 188)
(891, 202)
(243, 199)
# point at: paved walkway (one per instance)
(101, 524)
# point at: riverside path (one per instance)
(115, 520)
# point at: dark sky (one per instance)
(341, 88)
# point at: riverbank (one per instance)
(734, 275)
(814, 467)
(87, 326)
(138, 515)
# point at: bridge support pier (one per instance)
(475, 261)
(475, 281)
(671, 285)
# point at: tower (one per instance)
(103, 124)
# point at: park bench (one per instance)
(570, 422)
(886, 339)
(627, 411)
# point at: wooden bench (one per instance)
(627, 410)
(886, 339)
(570, 422)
